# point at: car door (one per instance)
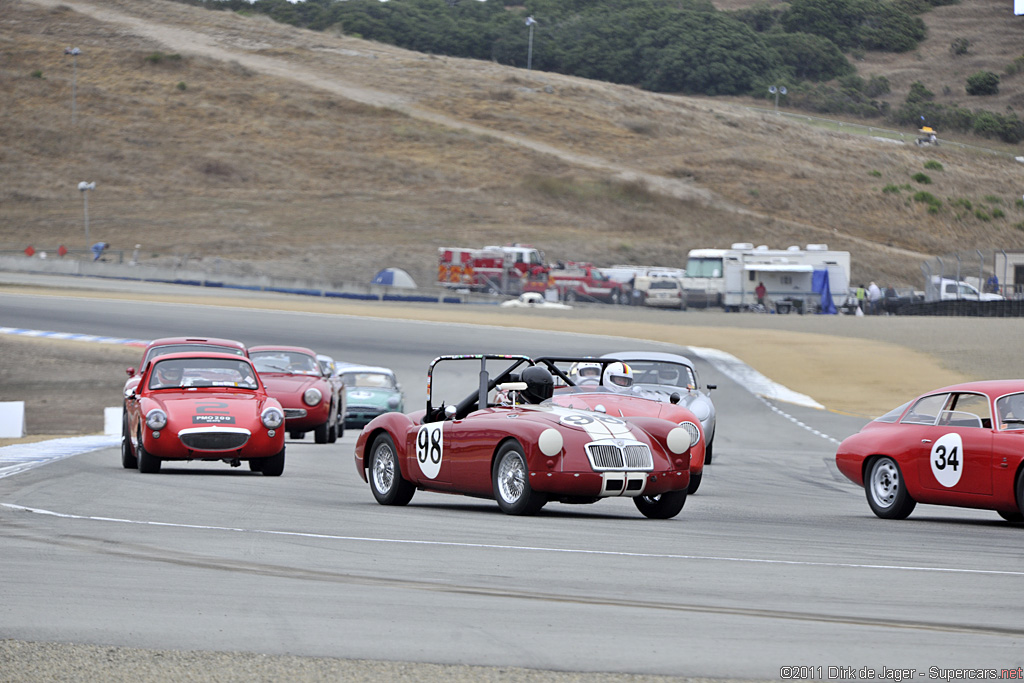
(431, 453)
(955, 453)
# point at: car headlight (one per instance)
(272, 417)
(700, 410)
(156, 419)
(550, 442)
(693, 431)
(312, 397)
(393, 402)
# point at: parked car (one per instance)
(502, 442)
(534, 300)
(667, 375)
(311, 402)
(661, 292)
(961, 445)
(369, 391)
(202, 406)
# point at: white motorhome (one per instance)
(729, 277)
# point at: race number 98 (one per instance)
(430, 449)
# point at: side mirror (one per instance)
(711, 386)
(674, 398)
(449, 412)
(130, 371)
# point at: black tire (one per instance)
(272, 466)
(664, 506)
(1019, 515)
(707, 451)
(320, 433)
(886, 491)
(148, 464)
(1013, 517)
(128, 459)
(296, 435)
(510, 481)
(694, 483)
(385, 475)
(256, 465)
(570, 296)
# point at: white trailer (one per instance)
(729, 277)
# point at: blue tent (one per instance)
(394, 277)
(819, 284)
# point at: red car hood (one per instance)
(631, 406)
(595, 425)
(194, 409)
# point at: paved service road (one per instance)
(775, 562)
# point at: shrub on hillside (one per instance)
(983, 83)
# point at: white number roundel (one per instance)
(947, 459)
(429, 448)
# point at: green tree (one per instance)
(983, 83)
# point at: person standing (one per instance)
(760, 291)
(874, 298)
(891, 300)
(862, 295)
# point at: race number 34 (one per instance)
(429, 449)
(948, 459)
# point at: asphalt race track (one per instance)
(776, 562)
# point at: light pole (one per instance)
(84, 188)
(530, 21)
(781, 90)
(74, 52)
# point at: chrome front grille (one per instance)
(612, 455)
(214, 439)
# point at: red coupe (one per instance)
(161, 347)
(961, 445)
(202, 406)
(312, 403)
(505, 441)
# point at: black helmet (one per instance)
(540, 385)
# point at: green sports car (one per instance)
(369, 391)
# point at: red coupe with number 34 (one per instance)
(506, 441)
(961, 445)
(202, 406)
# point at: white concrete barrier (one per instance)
(12, 419)
(112, 421)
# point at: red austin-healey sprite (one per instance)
(506, 441)
(202, 406)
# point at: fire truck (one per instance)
(585, 282)
(511, 269)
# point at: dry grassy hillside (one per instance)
(214, 136)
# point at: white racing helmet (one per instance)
(618, 376)
(585, 373)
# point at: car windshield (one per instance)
(288, 362)
(662, 373)
(373, 380)
(158, 351)
(894, 414)
(664, 284)
(178, 373)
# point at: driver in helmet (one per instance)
(585, 373)
(1011, 412)
(168, 375)
(618, 377)
(540, 385)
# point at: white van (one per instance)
(661, 292)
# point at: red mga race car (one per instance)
(311, 401)
(962, 445)
(202, 406)
(596, 394)
(505, 441)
